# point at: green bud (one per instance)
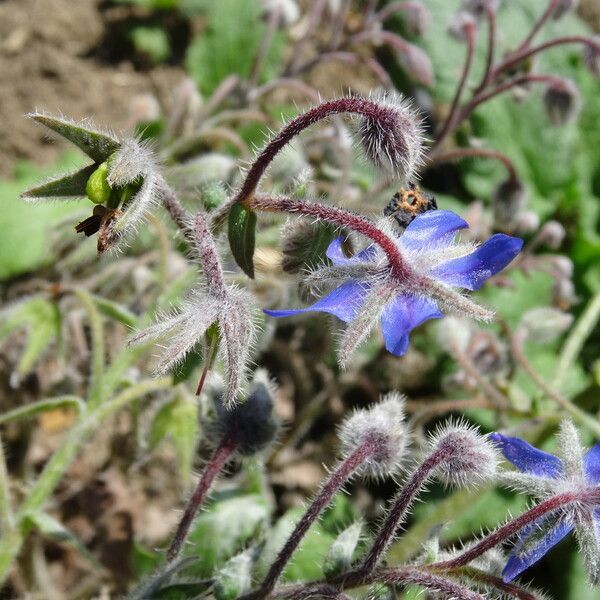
(97, 188)
(242, 232)
(341, 552)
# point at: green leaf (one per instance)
(341, 553)
(177, 420)
(42, 321)
(55, 530)
(98, 146)
(309, 558)
(235, 577)
(116, 311)
(242, 237)
(72, 185)
(224, 529)
(35, 408)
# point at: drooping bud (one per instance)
(416, 17)
(508, 201)
(392, 138)
(303, 244)
(385, 423)
(545, 324)
(528, 222)
(462, 25)
(469, 458)
(417, 64)
(478, 8)
(563, 294)
(562, 102)
(563, 7)
(552, 234)
(562, 265)
(251, 422)
(591, 56)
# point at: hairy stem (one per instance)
(513, 527)
(400, 508)
(452, 155)
(178, 214)
(510, 589)
(337, 216)
(335, 482)
(208, 255)
(215, 465)
(449, 122)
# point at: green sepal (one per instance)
(97, 188)
(242, 237)
(98, 146)
(72, 185)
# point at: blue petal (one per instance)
(591, 464)
(527, 458)
(472, 270)
(518, 562)
(433, 228)
(335, 253)
(401, 315)
(344, 302)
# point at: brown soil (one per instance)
(49, 53)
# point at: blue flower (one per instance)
(365, 289)
(544, 475)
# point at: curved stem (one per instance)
(578, 415)
(512, 527)
(510, 589)
(400, 508)
(550, 9)
(476, 153)
(337, 216)
(490, 14)
(337, 479)
(214, 466)
(449, 122)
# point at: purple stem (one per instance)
(476, 153)
(510, 589)
(341, 217)
(448, 124)
(400, 508)
(552, 6)
(178, 214)
(512, 527)
(335, 482)
(491, 49)
(208, 255)
(214, 466)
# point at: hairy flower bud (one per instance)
(468, 457)
(461, 25)
(552, 234)
(508, 201)
(478, 8)
(251, 422)
(303, 244)
(563, 294)
(544, 324)
(385, 423)
(341, 552)
(562, 102)
(416, 17)
(392, 138)
(591, 56)
(563, 7)
(417, 64)
(527, 222)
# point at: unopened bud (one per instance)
(417, 64)
(251, 422)
(527, 222)
(478, 8)
(383, 422)
(303, 244)
(552, 234)
(468, 457)
(508, 201)
(392, 137)
(544, 324)
(562, 102)
(97, 188)
(288, 10)
(563, 266)
(563, 294)
(591, 56)
(454, 334)
(563, 7)
(234, 578)
(341, 553)
(417, 18)
(462, 25)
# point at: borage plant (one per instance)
(400, 270)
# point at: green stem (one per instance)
(7, 521)
(62, 458)
(97, 362)
(35, 408)
(576, 338)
